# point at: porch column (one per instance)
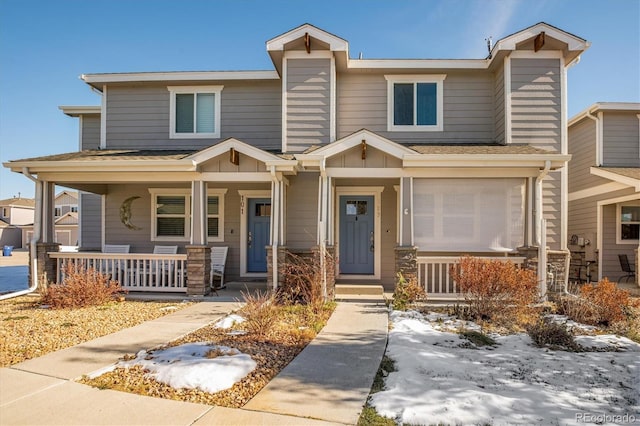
(198, 252)
(406, 254)
(48, 212)
(277, 228)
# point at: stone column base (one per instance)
(406, 259)
(46, 266)
(198, 270)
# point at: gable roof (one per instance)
(629, 176)
(18, 202)
(242, 147)
(604, 106)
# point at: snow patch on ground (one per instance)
(186, 366)
(441, 381)
(229, 321)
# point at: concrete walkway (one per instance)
(327, 383)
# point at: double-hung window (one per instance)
(195, 111)
(628, 223)
(172, 215)
(415, 102)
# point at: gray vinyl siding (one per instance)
(308, 97)
(551, 207)
(621, 139)
(468, 108)
(302, 211)
(90, 132)
(90, 218)
(138, 116)
(536, 107)
(582, 147)
(499, 106)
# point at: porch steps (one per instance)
(348, 290)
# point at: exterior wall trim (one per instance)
(244, 197)
(596, 190)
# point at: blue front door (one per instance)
(357, 235)
(259, 226)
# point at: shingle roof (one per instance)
(19, 202)
(478, 149)
(114, 154)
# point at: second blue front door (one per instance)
(259, 228)
(357, 235)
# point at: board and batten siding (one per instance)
(138, 116)
(308, 103)
(582, 147)
(469, 114)
(90, 132)
(621, 147)
(90, 218)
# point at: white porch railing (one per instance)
(434, 274)
(134, 271)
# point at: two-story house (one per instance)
(65, 217)
(392, 165)
(604, 189)
(14, 212)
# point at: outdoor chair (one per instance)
(116, 267)
(165, 268)
(218, 260)
(626, 267)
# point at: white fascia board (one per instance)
(179, 76)
(629, 181)
(418, 64)
(100, 166)
(376, 141)
(604, 106)
(224, 146)
(475, 160)
(335, 43)
(509, 43)
(76, 110)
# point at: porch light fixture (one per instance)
(234, 157)
(363, 145)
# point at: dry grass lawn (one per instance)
(28, 330)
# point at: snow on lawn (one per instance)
(187, 366)
(515, 382)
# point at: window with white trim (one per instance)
(171, 214)
(628, 223)
(415, 102)
(194, 111)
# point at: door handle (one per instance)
(250, 240)
(372, 247)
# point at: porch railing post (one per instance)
(198, 269)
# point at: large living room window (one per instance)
(195, 111)
(172, 214)
(468, 215)
(415, 102)
(628, 223)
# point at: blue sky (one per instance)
(46, 45)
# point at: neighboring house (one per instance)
(604, 186)
(393, 165)
(14, 212)
(65, 213)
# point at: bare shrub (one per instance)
(496, 290)
(546, 333)
(601, 304)
(302, 278)
(260, 311)
(81, 287)
(407, 293)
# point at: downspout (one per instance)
(34, 240)
(541, 239)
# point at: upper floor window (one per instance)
(628, 226)
(415, 102)
(195, 111)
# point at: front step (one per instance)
(358, 289)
